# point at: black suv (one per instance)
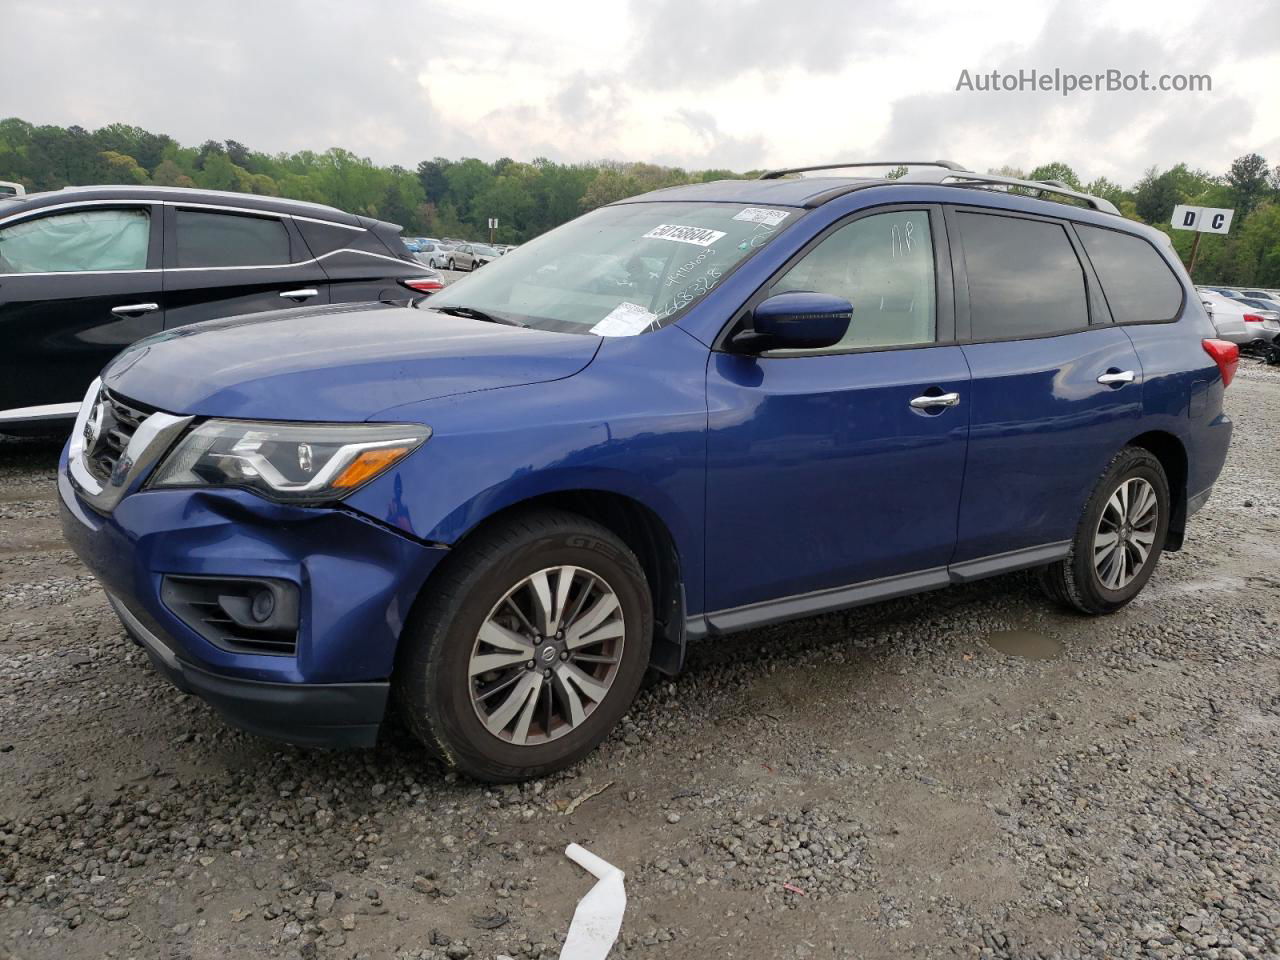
(86, 271)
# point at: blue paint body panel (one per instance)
(775, 476)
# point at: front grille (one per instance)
(223, 611)
(117, 420)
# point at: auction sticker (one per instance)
(625, 320)
(770, 218)
(700, 236)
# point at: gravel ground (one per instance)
(879, 783)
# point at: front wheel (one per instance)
(528, 649)
(1119, 539)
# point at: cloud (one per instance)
(713, 84)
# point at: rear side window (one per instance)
(230, 240)
(883, 265)
(73, 242)
(1138, 284)
(1025, 279)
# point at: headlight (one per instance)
(288, 461)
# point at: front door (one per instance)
(842, 466)
(76, 287)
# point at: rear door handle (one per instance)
(1114, 378)
(134, 309)
(302, 294)
(926, 402)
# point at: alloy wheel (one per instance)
(546, 656)
(1126, 533)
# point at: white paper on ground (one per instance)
(770, 218)
(625, 320)
(598, 918)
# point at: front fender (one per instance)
(633, 423)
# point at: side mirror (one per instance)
(796, 321)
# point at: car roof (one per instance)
(223, 198)
(791, 192)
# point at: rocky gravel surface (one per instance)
(874, 784)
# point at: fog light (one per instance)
(264, 604)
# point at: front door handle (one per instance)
(302, 294)
(134, 309)
(927, 402)
(1113, 378)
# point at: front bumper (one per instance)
(356, 582)
(312, 715)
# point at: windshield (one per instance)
(480, 248)
(619, 270)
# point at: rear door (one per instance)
(220, 262)
(76, 286)
(1057, 388)
(834, 467)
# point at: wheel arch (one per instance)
(1172, 454)
(642, 530)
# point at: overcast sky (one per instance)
(696, 83)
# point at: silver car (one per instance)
(1241, 321)
(470, 256)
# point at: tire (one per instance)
(451, 264)
(1097, 588)
(435, 687)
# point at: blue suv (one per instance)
(701, 410)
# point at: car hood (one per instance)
(336, 363)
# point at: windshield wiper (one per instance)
(471, 313)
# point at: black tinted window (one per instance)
(230, 240)
(1024, 278)
(1138, 284)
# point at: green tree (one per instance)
(1248, 181)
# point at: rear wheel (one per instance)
(1119, 539)
(529, 649)
(451, 264)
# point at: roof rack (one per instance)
(779, 174)
(968, 178)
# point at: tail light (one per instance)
(1252, 318)
(1226, 356)
(424, 284)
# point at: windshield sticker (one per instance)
(625, 320)
(770, 218)
(700, 236)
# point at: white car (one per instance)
(1238, 322)
(436, 254)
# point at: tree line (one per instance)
(443, 197)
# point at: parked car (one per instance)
(10, 189)
(471, 256)
(497, 509)
(435, 255)
(1273, 300)
(86, 271)
(1241, 322)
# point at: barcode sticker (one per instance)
(700, 236)
(770, 218)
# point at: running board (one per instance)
(769, 612)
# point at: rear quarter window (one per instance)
(1138, 284)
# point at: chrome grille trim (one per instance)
(103, 479)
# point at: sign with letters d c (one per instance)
(1202, 219)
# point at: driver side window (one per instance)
(883, 265)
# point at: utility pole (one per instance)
(493, 226)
